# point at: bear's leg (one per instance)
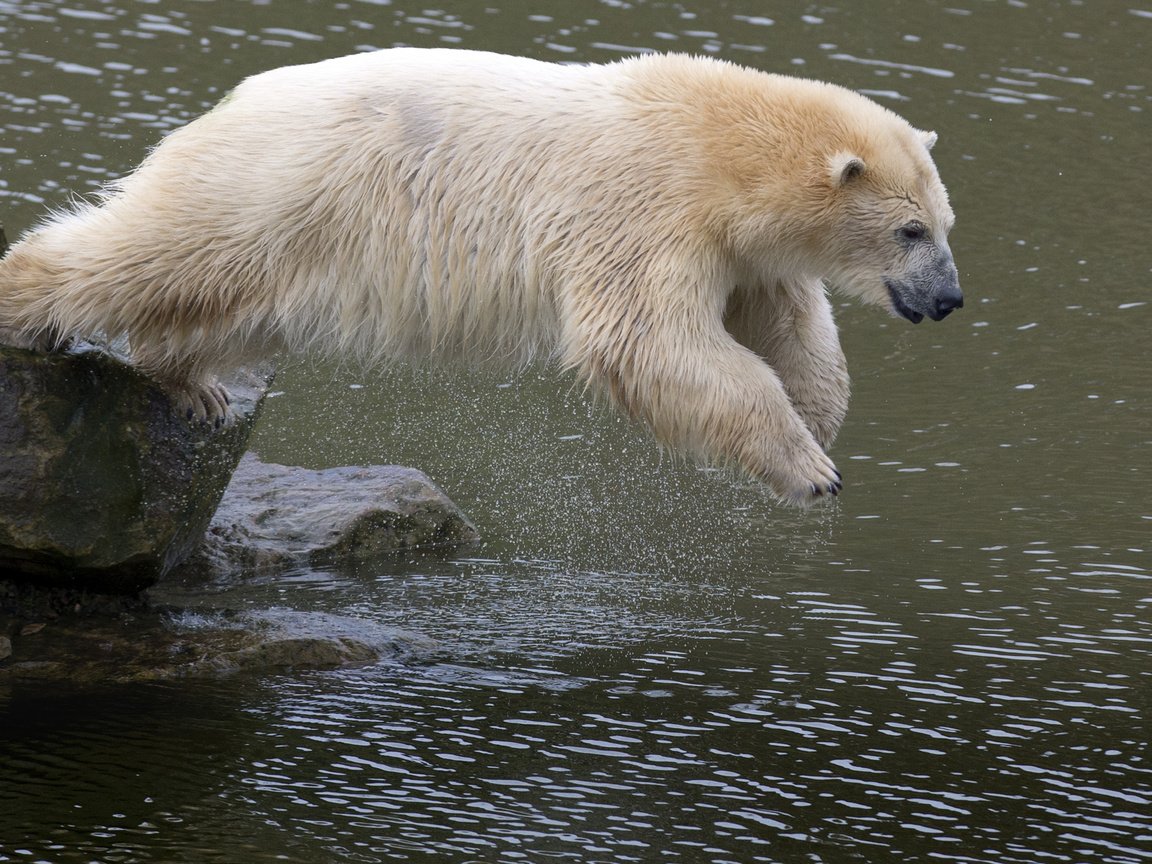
(794, 331)
(701, 391)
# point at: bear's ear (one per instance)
(846, 167)
(929, 139)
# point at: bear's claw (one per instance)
(207, 402)
(813, 477)
(831, 488)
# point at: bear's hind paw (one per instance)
(206, 402)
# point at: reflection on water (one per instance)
(647, 661)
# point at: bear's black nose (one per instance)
(946, 302)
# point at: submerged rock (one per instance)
(147, 644)
(275, 517)
(102, 485)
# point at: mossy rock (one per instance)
(103, 486)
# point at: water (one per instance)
(646, 661)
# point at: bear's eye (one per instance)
(913, 232)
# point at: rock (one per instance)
(102, 486)
(274, 517)
(152, 644)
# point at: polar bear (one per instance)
(664, 225)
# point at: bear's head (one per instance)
(819, 181)
(889, 235)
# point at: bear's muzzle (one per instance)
(933, 292)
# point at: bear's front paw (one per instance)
(205, 402)
(808, 479)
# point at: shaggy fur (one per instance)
(663, 225)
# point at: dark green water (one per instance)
(647, 661)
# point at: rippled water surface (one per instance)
(646, 661)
